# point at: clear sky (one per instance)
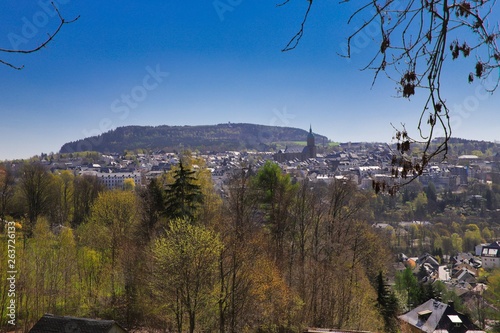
(202, 62)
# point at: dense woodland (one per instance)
(268, 254)
(222, 137)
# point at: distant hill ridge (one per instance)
(221, 137)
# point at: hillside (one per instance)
(219, 137)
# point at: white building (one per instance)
(115, 180)
(490, 256)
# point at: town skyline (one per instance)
(213, 63)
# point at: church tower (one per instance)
(310, 150)
(310, 138)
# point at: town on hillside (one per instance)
(431, 258)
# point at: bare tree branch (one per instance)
(416, 38)
(50, 37)
(298, 36)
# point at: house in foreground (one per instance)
(56, 324)
(436, 317)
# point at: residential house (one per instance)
(50, 323)
(464, 266)
(434, 316)
(490, 256)
(464, 277)
(426, 258)
(467, 259)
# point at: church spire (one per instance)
(311, 144)
(310, 137)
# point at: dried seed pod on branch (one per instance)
(416, 39)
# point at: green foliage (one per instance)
(111, 230)
(86, 189)
(275, 255)
(457, 243)
(129, 184)
(152, 201)
(487, 234)
(185, 267)
(388, 304)
(493, 292)
(35, 184)
(408, 288)
(276, 193)
(420, 206)
(183, 196)
(472, 238)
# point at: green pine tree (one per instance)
(184, 195)
(387, 304)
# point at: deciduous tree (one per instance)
(493, 293)
(6, 190)
(85, 190)
(35, 183)
(185, 267)
(276, 193)
(112, 230)
(62, 190)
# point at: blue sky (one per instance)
(207, 62)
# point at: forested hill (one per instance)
(220, 137)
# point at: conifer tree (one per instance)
(387, 304)
(184, 195)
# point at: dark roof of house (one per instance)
(465, 276)
(494, 245)
(492, 250)
(461, 257)
(427, 258)
(57, 324)
(294, 150)
(434, 315)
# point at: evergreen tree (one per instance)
(387, 304)
(184, 195)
